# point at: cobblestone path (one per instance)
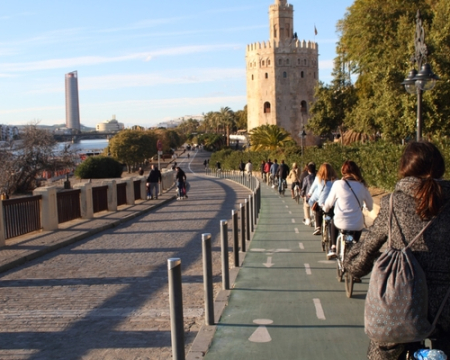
(106, 297)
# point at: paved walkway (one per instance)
(103, 294)
(286, 302)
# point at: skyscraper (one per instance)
(72, 103)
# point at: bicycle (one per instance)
(344, 240)
(326, 232)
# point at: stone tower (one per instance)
(281, 74)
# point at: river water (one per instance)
(84, 146)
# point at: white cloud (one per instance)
(97, 60)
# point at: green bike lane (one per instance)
(286, 302)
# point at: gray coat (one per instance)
(432, 251)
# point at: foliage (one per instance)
(99, 167)
(24, 161)
(269, 137)
(376, 43)
(133, 146)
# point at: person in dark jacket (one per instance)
(181, 183)
(419, 196)
(153, 181)
(282, 173)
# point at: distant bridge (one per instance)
(87, 135)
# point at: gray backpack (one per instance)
(396, 308)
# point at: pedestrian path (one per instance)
(105, 295)
(286, 302)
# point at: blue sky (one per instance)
(144, 61)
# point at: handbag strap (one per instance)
(391, 206)
(359, 204)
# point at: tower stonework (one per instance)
(281, 74)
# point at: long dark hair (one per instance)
(349, 169)
(424, 161)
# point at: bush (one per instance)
(99, 167)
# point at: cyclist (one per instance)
(306, 186)
(282, 173)
(319, 192)
(348, 196)
(273, 172)
(419, 196)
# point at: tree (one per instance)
(99, 167)
(24, 161)
(225, 117)
(133, 147)
(241, 119)
(377, 41)
(269, 137)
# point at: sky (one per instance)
(144, 61)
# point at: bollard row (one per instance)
(248, 214)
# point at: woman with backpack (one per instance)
(420, 196)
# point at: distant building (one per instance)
(8, 132)
(72, 102)
(110, 125)
(175, 122)
(281, 74)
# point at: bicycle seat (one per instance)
(348, 232)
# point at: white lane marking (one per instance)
(308, 269)
(293, 221)
(301, 246)
(319, 310)
(287, 207)
(282, 250)
(261, 334)
(258, 250)
(327, 261)
(290, 212)
(296, 231)
(269, 263)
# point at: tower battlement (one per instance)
(276, 46)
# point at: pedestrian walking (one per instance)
(153, 181)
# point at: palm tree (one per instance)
(226, 118)
(269, 137)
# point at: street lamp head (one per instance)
(426, 79)
(410, 82)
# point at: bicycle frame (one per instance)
(342, 242)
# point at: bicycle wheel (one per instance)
(348, 284)
(339, 262)
(325, 237)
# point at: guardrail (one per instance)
(50, 207)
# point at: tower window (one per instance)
(302, 74)
(263, 63)
(267, 107)
(274, 31)
(305, 61)
(268, 62)
(303, 108)
(280, 62)
(285, 74)
(287, 61)
(252, 77)
(267, 75)
(299, 61)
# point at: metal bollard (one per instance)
(207, 279)
(247, 219)
(251, 217)
(234, 217)
(242, 215)
(224, 246)
(176, 308)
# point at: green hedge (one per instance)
(99, 167)
(378, 161)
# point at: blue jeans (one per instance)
(281, 183)
(153, 190)
(180, 186)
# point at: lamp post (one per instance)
(425, 79)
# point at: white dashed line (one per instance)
(300, 245)
(319, 310)
(293, 221)
(296, 231)
(290, 212)
(308, 269)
